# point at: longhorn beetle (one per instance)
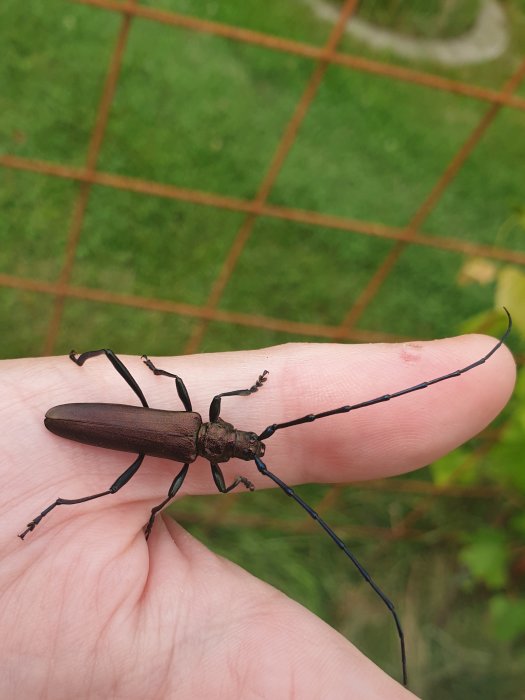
(182, 436)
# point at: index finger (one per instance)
(400, 435)
(378, 440)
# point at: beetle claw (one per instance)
(247, 483)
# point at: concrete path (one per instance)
(487, 40)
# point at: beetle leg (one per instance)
(175, 486)
(116, 486)
(117, 364)
(215, 406)
(181, 387)
(218, 477)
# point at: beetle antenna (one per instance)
(271, 429)
(339, 542)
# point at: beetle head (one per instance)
(247, 446)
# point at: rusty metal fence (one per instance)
(321, 57)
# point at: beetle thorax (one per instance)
(220, 441)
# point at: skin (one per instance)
(89, 609)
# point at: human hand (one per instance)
(90, 610)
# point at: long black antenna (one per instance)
(271, 429)
(339, 542)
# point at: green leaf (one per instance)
(519, 390)
(507, 616)
(517, 523)
(490, 321)
(454, 468)
(506, 461)
(487, 557)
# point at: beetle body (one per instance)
(178, 435)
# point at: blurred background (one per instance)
(180, 177)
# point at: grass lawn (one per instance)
(203, 112)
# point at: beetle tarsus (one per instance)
(246, 482)
(117, 364)
(175, 486)
(147, 527)
(215, 406)
(30, 527)
(149, 364)
(239, 480)
(181, 387)
(260, 381)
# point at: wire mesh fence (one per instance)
(181, 177)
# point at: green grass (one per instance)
(54, 57)
(298, 292)
(356, 155)
(429, 19)
(35, 217)
(24, 317)
(199, 111)
(494, 194)
(492, 74)
(221, 337)
(434, 279)
(142, 231)
(88, 325)
(372, 148)
(290, 19)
